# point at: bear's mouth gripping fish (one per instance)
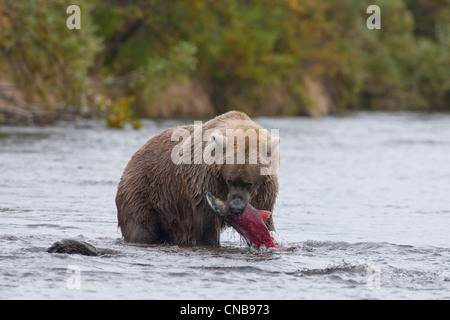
(249, 224)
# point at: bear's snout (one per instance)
(238, 198)
(237, 205)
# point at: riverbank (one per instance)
(191, 59)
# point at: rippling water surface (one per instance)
(363, 212)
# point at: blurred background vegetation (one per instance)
(199, 58)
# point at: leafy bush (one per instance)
(48, 62)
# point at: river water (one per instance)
(363, 212)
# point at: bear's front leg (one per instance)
(207, 226)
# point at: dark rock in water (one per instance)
(72, 246)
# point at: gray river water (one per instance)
(363, 212)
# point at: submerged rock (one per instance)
(72, 246)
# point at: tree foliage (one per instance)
(287, 57)
(48, 62)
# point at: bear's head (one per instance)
(245, 156)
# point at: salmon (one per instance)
(249, 224)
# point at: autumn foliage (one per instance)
(197, 58)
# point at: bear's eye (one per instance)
(230, 183)
(248, 185)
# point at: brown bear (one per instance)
(161, 195)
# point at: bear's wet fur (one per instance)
(160, 201)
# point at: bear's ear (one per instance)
(276, 142)
(219, 138)
(274, 145)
